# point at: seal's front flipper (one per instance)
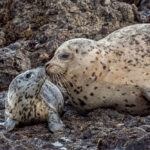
(10, 124)
(146, 93)
(54, 122)
(52, 96)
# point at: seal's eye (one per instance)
(28, 75)
(64, 56)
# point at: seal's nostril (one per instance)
(47, 67)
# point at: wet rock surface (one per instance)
(30, 32)
(103, 129)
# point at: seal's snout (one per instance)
(47, 68)
(46, 65)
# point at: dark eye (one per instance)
(28, 75)
(64, 56)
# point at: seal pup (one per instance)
(112, 72)
(32, 98)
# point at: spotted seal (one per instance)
(112, 72)
(32, 98)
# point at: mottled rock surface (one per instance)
(37, 28)
(12, 62)
(104, 129)
(30, 32)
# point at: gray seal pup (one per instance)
(32, 98)
(112, 72)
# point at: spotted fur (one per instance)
(112, 72)
(32, 98)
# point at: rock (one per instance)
(30, 32)
(11, 64)
(62, 20)
(141, 143)
(87, 134)
(3, 96)
(2, 39)
(106, 2)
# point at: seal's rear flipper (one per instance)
(146, 93)
(54, 122)
(10, 124)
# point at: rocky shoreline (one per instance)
(30, 32)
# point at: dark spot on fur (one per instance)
(93, 74)
(30, 96)
(29, 114)
(95, 87)
(100, 74)
(74, 102)
(26, 95)
(104, 67)
(82, 103)
(95, 78)
(85, 97)
(83, 53)
(123, 93)
(125, 100)
(92, 61)
(70, 84)
(24, 109)
(77, 92)
(20, 113)
(91, 94)
(20, 99)
(144, 97)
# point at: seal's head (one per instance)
(28, 82)
(72, 59)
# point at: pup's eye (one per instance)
(64, 56)
(28, 75)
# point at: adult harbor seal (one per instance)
(32, 98)
(112, 72)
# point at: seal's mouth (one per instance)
(54, 69)
(57, 75)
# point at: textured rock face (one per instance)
(30, 32)
(34, 29)
(11, 64)
(102, 129)
(62, 20)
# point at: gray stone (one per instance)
(11, 64)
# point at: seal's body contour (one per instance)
(112, 72)
(31, 98)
